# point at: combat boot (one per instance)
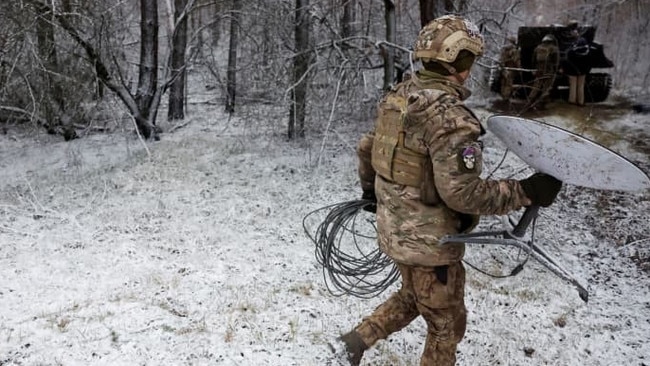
(354, 346)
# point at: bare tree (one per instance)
(52, 99)
(301, 62)
(348, 18)
(33, 84)
(143, 104)
(148, 75)
(427, 11)
(215, 29)
(460, 7)
(432, 9)
(389, 52)
(178, 70)
(341, 52)
(232, 56)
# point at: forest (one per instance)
(76, 67)
(164, 163)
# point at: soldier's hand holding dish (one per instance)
(541, 189)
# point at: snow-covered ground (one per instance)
(191, 251)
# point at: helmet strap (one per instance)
(452, 71)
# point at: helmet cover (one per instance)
(443, 38)
(548, 38)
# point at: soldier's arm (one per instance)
(457, 162)
(555, 57)
(364, 154)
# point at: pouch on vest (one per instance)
(390, 158)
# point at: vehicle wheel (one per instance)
(597, 87)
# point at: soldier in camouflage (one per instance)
(422, 164)
(546, 60)
(510, 61)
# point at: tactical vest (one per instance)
(542, 54)
(390, 157)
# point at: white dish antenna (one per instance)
(568, 157)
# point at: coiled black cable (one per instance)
(349, 266)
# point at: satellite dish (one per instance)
(568, 157)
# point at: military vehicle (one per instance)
(597, 84)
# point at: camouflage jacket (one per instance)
(441, 127)
(546, 59)
(509, 56)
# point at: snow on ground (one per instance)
(191, 251)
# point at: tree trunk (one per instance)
(178, 70)
(449, 7)
(348, 18)
(47, 53)
(427, 11)
(432, 9)
(232, 57)
(300, 68)
(215, 28)
(457, 7)
(389, 52)
(148, 73)
(68, 7)
(143, 113)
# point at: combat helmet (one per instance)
(549, 38)
(573, 24)
(442, 39)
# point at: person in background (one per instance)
(576, 67)
(571, 34)
(509, 60)
(568, 35)
(546, 61)
(421, 165)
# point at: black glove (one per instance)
(369, 195)
(541, 189)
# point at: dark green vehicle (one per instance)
(597, 84)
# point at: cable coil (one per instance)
(349, 266)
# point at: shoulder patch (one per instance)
(469, 157)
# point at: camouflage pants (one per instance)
(424, 292)
(541, 88)
(507, 81)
